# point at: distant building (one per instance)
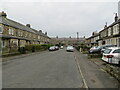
(93, 40)
(67, 41)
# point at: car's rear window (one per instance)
(117, 51)
(107, 51)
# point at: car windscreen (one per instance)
(99, 47)
(107, 51)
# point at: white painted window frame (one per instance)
(116, 29)
(109, 31)
(1, 29)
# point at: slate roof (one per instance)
(40, 33)
(9, 22)
(117, 22)
(14, 24)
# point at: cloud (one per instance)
(61, 0)
(63, 18)
(1, 5)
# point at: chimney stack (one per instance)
(40, 31)
(56, 36)
(28, 25)
(46, 33)
(105, 25)
(3, 14)
(116, 17)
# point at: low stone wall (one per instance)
(94, 55)
(113, 70)
(10, 54)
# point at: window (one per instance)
(2, 43)
(116, 29)
(107, 51)
(1, 29)
(21, 33)
(18, 33)
(11, 31)
(109, 32)
(38, 37)
(26, 34)
(117, 51)
(119, 42)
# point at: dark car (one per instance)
(100, 49)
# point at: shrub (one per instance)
(28, 47)
(77, 48)
(37, 47)
(22, 50)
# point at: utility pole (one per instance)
(77, 37)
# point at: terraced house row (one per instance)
(109, 35)
(14, 35)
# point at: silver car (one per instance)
(70, 48)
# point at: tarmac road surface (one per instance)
(56, 69)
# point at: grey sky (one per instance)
(62, 18)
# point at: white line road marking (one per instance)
(84, 81)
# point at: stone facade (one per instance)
(110, 35)
(93, 40)
(14, 35)
(67, 41)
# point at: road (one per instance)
(58, 69)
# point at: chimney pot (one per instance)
(40, 31)
(3, 14)
(28, 25)
(45, 33)
(116, 17)
(105, 25)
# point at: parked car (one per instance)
(112, 55)
(100, 49)
(56, 47)
(61, 47)
(52, 48)
(92, 48)
(107, 46)
(70, 48)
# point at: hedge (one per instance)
(34, 48)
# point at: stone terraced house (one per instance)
(93, 40)
(110, 35)
(14, 35)
(67, 41)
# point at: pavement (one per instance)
(94, 74)
(112, 69)
(8, 58)
(57, 69)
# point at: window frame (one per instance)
(1, 29)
